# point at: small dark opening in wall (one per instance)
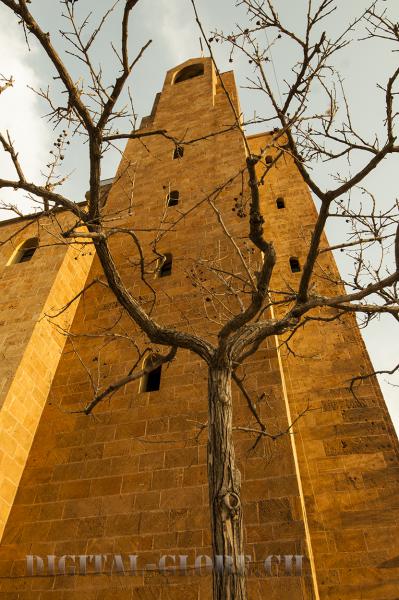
(173, 198)
(152, 382)
(280, 203)
(294, 264)
(189, 72)
(178, 152)
(269, 159)
(27, 254)
(26, 251)
(166, 268)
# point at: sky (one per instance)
(175, 38)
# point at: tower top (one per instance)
(191, 86)
(189, 69)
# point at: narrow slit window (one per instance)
(173, 198)
(280, 203)
(25, 252)
(294, 264)
(178, 152)
(166, 267)
(152, 380)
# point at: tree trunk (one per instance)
(224, 491)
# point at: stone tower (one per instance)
(131, 479)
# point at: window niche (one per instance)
(25, 251)
(189, 72)
(294, 264)
(151, 382)
(178, 152)
(165, 268)
(173, 198)
(280, 203)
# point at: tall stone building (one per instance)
(131, 478)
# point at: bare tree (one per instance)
(242, 297)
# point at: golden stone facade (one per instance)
(131, 479)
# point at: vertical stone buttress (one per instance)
(347, 447)
(30, 345)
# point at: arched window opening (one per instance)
(178, 152)
(151, 381)
(189, 72)
(280, 203)
(166, 267)
(294, 264)
(173, 198)
(25, 252)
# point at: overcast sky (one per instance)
(170, 24)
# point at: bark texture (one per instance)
(224, 491)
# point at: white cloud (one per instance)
(20, 110)
(176, 26)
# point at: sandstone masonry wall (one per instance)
(131, 478)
